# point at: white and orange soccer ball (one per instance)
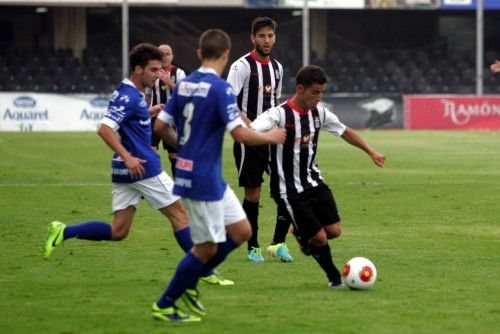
(359, 273)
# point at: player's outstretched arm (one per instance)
(250, 137)
(353, 138)
(165, 132)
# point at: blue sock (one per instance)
(223, 250)
(93, 230)
(186, 275)
(183, 238)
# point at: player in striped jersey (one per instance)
(257, 80)
(162, 91)
(295, 179)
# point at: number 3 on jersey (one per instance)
(188, 116)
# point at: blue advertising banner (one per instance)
(469, 4)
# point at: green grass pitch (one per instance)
(429, 220)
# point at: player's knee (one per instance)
(252, 194)
(320, 239)
(334, 231)
(239, 232)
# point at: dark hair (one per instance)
(309, 75)
(142, 53)
(260, 22)
(213, 43)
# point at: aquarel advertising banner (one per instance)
(452, 112)
(51, 112)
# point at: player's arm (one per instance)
(164, 126)
(248, 136)
(166, 132)
(155, 110)
(134, 165)
(266, 124)
(353, 138)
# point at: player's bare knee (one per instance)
(334, 231)
(320, 239)
(239, 232)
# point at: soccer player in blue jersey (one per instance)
(202, 108)
(136, 166)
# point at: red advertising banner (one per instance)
(452, 112)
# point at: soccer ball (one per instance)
(359, 273)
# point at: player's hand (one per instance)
(168, 81)
(277, 135)
(155, 110)
(135, 167)
(378, 158)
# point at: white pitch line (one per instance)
(14, 185)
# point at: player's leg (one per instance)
(207, 231)
(251, 207)
(325, 211)
(251, 163)
(172, 157)
(158, 192)
(238, 229)
(311, 233)
(278, 247)
(125, 200)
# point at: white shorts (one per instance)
(208, 220)
(157, 191)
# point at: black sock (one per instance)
(324, 258)
(252, 211)
(172, 165)
(282, 225)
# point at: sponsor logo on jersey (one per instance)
(114, 95)
(181, 182)
(184, 164)
(124, 98)
(116, 113)
(187, 88)
(268, 90)
(145, 122)
(119, 171)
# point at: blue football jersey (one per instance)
(203, 106)
(128, 115)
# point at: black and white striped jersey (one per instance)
(161, 93)
(293, 165)
(256, 83)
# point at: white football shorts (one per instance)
(157, 191)
(208, 220)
